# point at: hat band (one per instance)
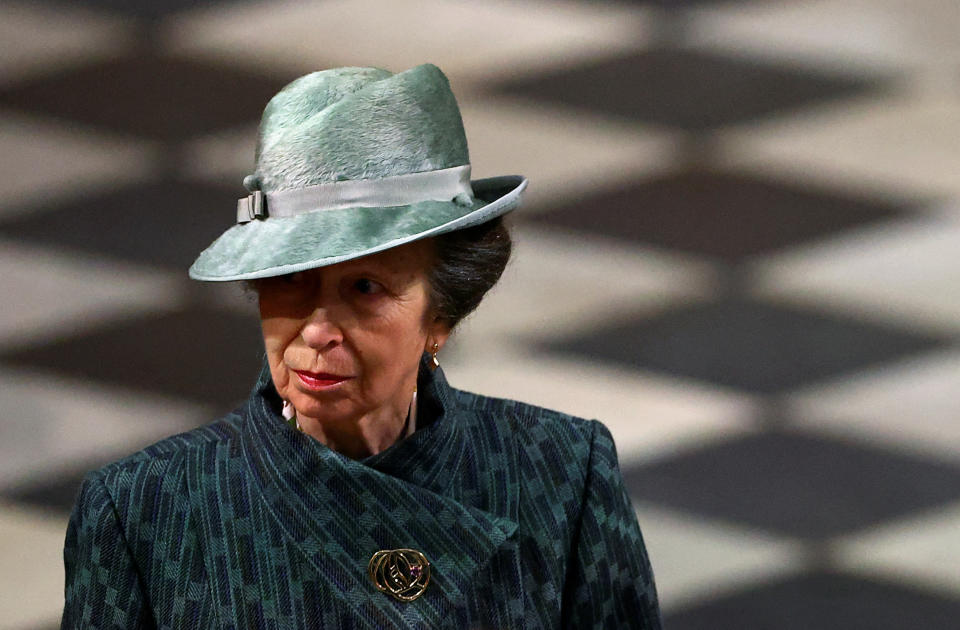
(399, 190)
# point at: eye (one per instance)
(288, 285)
(366, 286)
(296, 277)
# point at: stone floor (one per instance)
(739, 251)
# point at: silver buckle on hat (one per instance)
(251, 207)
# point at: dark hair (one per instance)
(468, 263)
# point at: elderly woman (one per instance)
(355, 488)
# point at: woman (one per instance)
(355, 488)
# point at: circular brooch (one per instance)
(404, 573)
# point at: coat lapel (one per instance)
(430, 492)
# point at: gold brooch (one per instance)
(404, 573)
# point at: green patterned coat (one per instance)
(246, 523)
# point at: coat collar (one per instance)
(430, 492)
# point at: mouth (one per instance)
(320, 380)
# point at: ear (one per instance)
(437, 333)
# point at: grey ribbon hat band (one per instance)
(400, 190)
(350, 162)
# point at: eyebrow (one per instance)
(380, 266)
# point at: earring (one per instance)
(290, 415)
(436, 361)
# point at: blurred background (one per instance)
(739, 251)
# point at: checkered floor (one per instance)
(739, 251)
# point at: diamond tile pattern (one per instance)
(821, 600)
(156, 353)
(148, 95)
(678, 4)
(920, 547)
(810, 487)
(472, 41)
(37, 37)
(46, 161)
(900, 271)
(29, 544)
(751, 345)
(730, 216)
(163, 224)
(738, 254)
(58, 491)
(685, 89)
(150, 9)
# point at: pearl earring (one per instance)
(290, 415)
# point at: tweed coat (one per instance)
(247, 523)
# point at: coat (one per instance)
(248, 523)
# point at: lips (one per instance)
(320, 380)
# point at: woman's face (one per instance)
(345, 341)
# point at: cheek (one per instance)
(277, 334)
(392, 344)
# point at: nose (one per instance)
(321, 330)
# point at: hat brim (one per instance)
(278, 246)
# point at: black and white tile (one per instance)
(738, 252)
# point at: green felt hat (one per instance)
(352, 161)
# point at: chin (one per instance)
(311, 407)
